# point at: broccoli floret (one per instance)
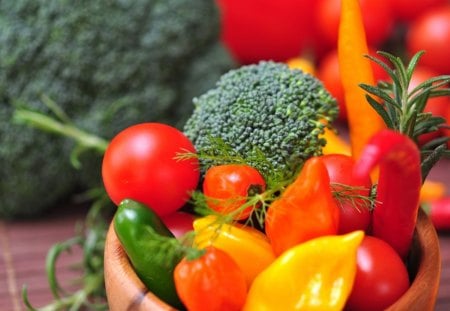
(108, 64)
(266, 109)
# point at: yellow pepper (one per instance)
(335, 144)
(248, 247)
(432, 190)
(315, 275)
(302, 63)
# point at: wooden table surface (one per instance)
(24, 245)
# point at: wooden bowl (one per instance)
(125, 291)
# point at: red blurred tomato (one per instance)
(228, 186)
(439, 212)
(255, 30)
(381, 277)
(140, 164)
(431, 32)
(409, 10)
(179, 222)
(354, 215)
(437, 106)
(377, 19)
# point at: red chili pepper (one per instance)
(305, 210)
(439, 212)
(398, 189)
(210, 282)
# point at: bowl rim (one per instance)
(425, 265)
(425, 268)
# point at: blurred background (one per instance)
(101, 66)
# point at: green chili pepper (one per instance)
(151, 247)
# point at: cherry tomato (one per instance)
(354, 215)
(381, 277)
(255, 30)
(409, 10)
(179, 222)
(228, 186)
(437, 106)
(140, 164)
(431, 32)
(377, 19)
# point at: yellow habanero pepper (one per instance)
(315, 275)
(248, 247)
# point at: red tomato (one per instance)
(255, 30)
(140, 164)
(381, 277)
(437, 106)
(439, 211)
(179, 223)
(409, 10)
(377, 19)
(431, 32)
(228, 186)
(352, 217)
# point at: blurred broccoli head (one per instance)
(125, 54)
(108, 64)
(264, 109)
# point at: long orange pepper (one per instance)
(355, 69)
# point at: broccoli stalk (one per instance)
(263, 109)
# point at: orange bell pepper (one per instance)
(305, 210)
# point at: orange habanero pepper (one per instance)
(305, 210)
(210, 281)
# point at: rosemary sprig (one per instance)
(403, 109)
